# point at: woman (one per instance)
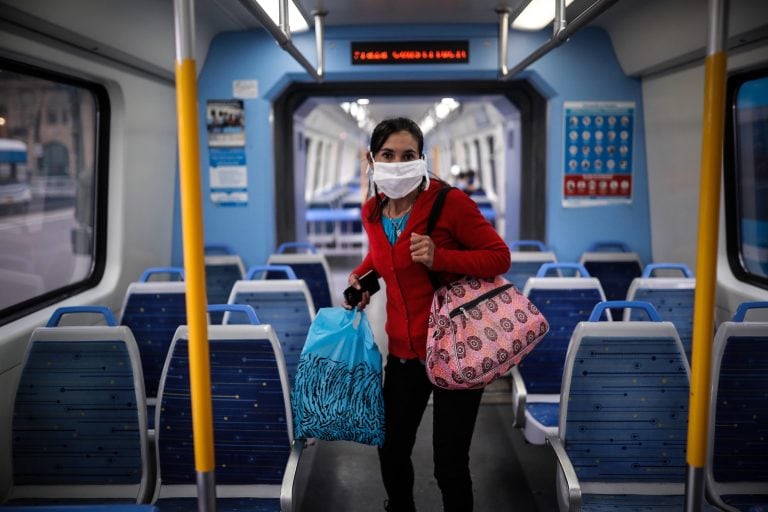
(462, 242)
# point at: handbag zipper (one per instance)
(487, 295)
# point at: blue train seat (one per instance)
(622, 428)
(526, 264)
(256, 455)
(615, 265)
(335, 230)
(564, 301)
(737, 467)
(79, 433)
(312, 267)
(672, 297)
(222, 268)
(112, 507)
(486, 205)
(153, 310)
(285, 304)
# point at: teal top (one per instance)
(389, 226)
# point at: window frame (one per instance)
(99, 197)
(731, 175)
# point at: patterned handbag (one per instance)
(478, 328)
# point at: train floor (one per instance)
(507, 472)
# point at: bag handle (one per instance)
(434, 214)
(437, 207)
(102, 310)
(636, 304)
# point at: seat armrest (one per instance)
(519, 398)
(288, 489)
(568, 472)
(713, 502)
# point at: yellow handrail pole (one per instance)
(706, 256)
(194, 256)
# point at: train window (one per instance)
(746, 176)
(53, 148)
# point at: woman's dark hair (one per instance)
(396, 124)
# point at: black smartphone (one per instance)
(369, 283)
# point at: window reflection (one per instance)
(48, 131)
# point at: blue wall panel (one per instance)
(583, 69)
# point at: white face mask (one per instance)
(398, 179)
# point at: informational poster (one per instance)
(228, 173)
(598, 153)
(226, 123)
(228, 176)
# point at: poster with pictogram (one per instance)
(598, 146)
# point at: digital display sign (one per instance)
(410, 52)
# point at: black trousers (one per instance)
(406, 392)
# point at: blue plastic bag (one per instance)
(337, 393)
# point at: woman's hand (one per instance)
(422, 249)
(354, 282)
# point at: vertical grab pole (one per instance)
(503, 14)
(194, 262)
(706, 256)
(319, 41)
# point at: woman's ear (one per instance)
(369, 157)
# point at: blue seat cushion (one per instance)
(747, 502)
(545, 413)
(632, 503)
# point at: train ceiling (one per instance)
(396, 12)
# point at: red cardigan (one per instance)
(465, 243)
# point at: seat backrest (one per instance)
(672, 297)
(153, 310)
(614, 265)
(738, 413)
(79, 420)
(624, 412)
(286, 305)
(221, 272)
(525, 264)
(564, 302)
(313, 269)
(252, 419)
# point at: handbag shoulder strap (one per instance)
(434, 214)
(437, 207)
